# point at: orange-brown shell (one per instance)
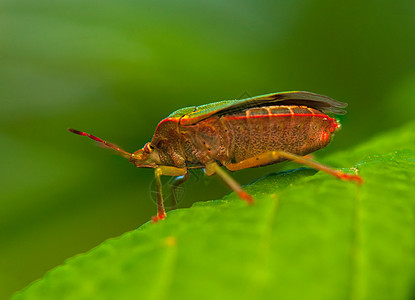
(236, 136)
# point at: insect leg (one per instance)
(274, 156)
(214, 168)
(169, 171)
(175, 184)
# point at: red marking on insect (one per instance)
(325, 136)
(238, 134)
(109, 145)
(282, 115)
(334, 126)
(166, 120)
(78, 132)
(86, 134)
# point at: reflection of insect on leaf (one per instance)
(173, 197)
(196, 175)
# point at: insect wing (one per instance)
(320, 102)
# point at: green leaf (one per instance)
(309, 236)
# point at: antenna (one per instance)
(107, 144)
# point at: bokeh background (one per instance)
(116, 68)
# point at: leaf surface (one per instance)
(309, 236)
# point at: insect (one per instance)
(238, 134)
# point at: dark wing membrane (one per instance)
(319, 102)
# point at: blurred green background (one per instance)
(116, 68)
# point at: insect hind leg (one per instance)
(275, 156)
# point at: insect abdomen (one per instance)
(295, 129)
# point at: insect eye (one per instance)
(148, 148)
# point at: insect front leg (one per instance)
(168, 171)
(213, 168)
(274, 156)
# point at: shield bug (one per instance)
(238, 134)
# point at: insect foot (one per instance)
(245, 196)
(349, 177)
(158, 217)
